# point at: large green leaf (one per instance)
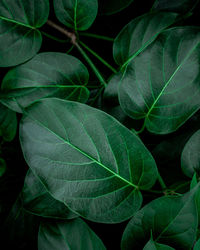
(37, 200)
(19, 38)
(108, 7)
(86, 159)
(172, 220)
(151, 245)
(47, 74)
(197, 245)
(73, 234)
(8, 123)
(138, 34)
(180, 6)
(190, 158)
(162, 83)
(76, 14)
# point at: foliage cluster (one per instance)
(99, 124)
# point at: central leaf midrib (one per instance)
(17, 22)
(168, 82)
(83, 153)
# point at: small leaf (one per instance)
(109, 7)
(2, 167)
(8, 123)
(171, 219)
(37, 200)
(181, 6)
(197, 245)
(19, 38)
(138, 34)
(190, 158)
(151, 245)
(86, 159)
(47, 74)
(76, 14)
(74, 234)
(162, 83)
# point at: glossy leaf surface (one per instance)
(19, 38)
(72, 234)
(162, 83)
(86, 159)
(172, 220)
(181, 6)
(190, 158)
(37, 200)
(76, 14)
(46, 75)
(108, 7)
(138, 34)
(8, 123)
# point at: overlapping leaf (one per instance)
(19, 38)
(190, 158)
(8, 123)
(171, 220)
(47, 74)
(162, 83)
(37, 200)
(86, 159)
(138, 34)
(76, 14)
(108, 7)
(72, 234)
(151, 245)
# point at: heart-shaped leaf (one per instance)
(19, 38)
(76, 14)
(180, 6)
(86, 159)
(162, 83)
(8, 123)
(171, 220)
(74, 234)
(37, 200)
(109, 7)
(190, 158)
(47, 74)
(138, 34)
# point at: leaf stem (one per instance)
(97, 36)
(96, 71)
(161, 181)
(98, 57)
(142, 129)
(53, 37)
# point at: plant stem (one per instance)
(97, 36)
(98, 57)
(142, 129)
(96, 71)
(54, 38)
(161, 181)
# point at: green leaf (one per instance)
(86, 159)
(190, 158)
(19, 38)
(47, 74)
(8, 123)
(37, 200)
(76, 14)
(109, 7)
(151, 245)
(74, 234)
(193, 183)
(181, 6)
(197, 245)
(138, 34)
(2, 167)
(171, 219)
(162, 83)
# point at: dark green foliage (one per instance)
(106, 95)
